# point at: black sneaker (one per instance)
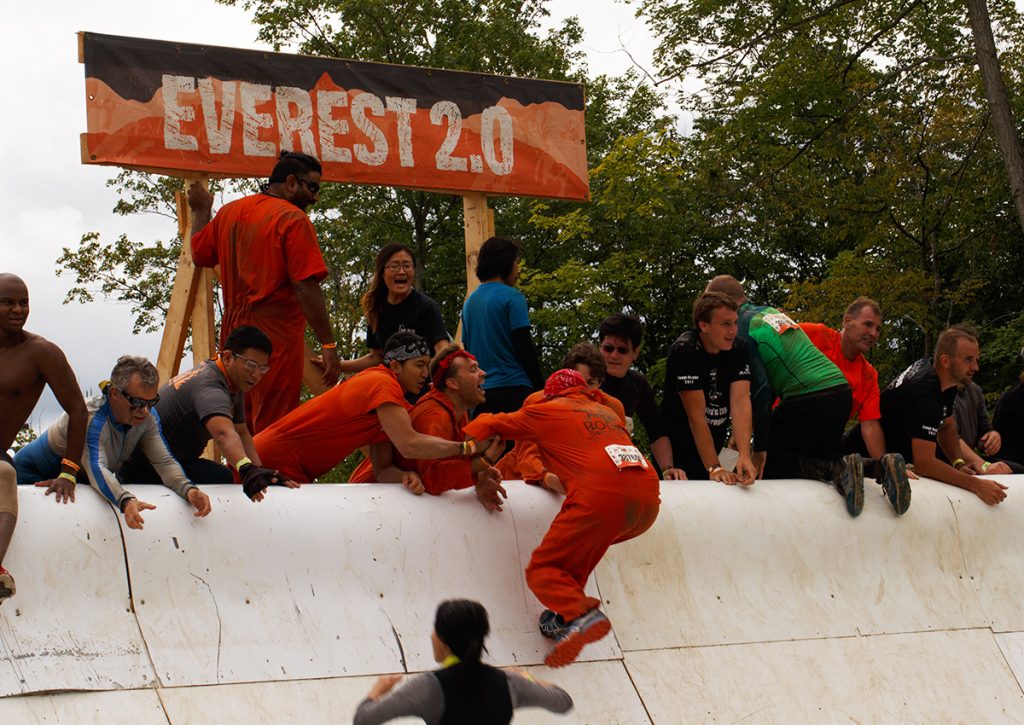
(551, 625)
(849, 481)
(892, 474)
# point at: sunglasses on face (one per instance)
(614, 348)
(253, 366)
(313, 186)
(139, 403)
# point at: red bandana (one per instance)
(561, 380)
(446, 362)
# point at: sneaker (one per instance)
(849, 481)
(581, 631)
(892, 474)
(551, 624)
(7, 587)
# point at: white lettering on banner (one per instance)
(300, 124)
(403, 107)
(218, 133)
(174, 114)
(490, 116)
(326, 102)
(626, 456)
(444, 159)
(296, 110)
(362, 103)
(251, 95)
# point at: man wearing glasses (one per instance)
(208, 403)
(620, 337)
(270, 273)
(119, 422)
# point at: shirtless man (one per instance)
(27, 363)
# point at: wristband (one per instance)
(488, 459)
(959, 462)
(70, 464)
(328, 345)
(985, 465)
(712, 470)
(67, 477)
(124, 504)
(242, 462)
(468, 448)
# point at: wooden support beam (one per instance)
(478, 223)
(183, 296)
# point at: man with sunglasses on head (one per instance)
(270, 273)
(120, 420)
(208, 403)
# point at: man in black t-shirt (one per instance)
(917, 413)
(207, 403)
(620, 337)
(707, 382)
(1008, 419)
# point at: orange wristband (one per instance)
(70, 464)
(328, 345)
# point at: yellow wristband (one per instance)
(67, 477)
(959, 462)
(242, 462)
(985, 465)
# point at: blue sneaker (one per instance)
(581, 631)
(849, 481)
(893, 477)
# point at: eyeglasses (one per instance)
(253, 366)
(614, 348)
(139, 403)
(313, 186)
(399, 266)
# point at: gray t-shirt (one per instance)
(188, 400)
(972, 421)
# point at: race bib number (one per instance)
(626, 457)
(780, 322)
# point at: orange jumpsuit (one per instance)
(322, 432)
(264, 246)
(523, 462)
(606, 502)
(432, 415)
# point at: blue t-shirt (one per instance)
(488, 318)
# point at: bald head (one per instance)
(729, 286)
(12, 282)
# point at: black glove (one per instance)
(256, 479)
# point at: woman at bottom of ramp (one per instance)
(464, 690)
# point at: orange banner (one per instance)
(226, 112)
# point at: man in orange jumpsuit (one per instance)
(611, 495)
(369, 407)
(270, 272)
(443, 412)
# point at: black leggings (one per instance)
(807, 431)
(199, 471)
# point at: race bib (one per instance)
(626, 457)
(780, 322)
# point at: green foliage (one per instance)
(26, 434)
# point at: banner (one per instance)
(177, 107)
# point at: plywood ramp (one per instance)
(765, 604)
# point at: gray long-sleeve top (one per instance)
(421, 696)
(109, 444)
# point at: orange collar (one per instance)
(224, 372)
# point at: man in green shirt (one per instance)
(801, 437)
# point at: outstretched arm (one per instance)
(61, 378)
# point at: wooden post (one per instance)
(187, 281)
(478, 222)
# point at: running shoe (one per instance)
(551, 624)
(7, 587)
(893, 477)
(581, 631)
(849, 481)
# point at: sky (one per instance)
(50, 199)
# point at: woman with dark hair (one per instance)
(464, 690)
(496, 328)
(391, 304)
